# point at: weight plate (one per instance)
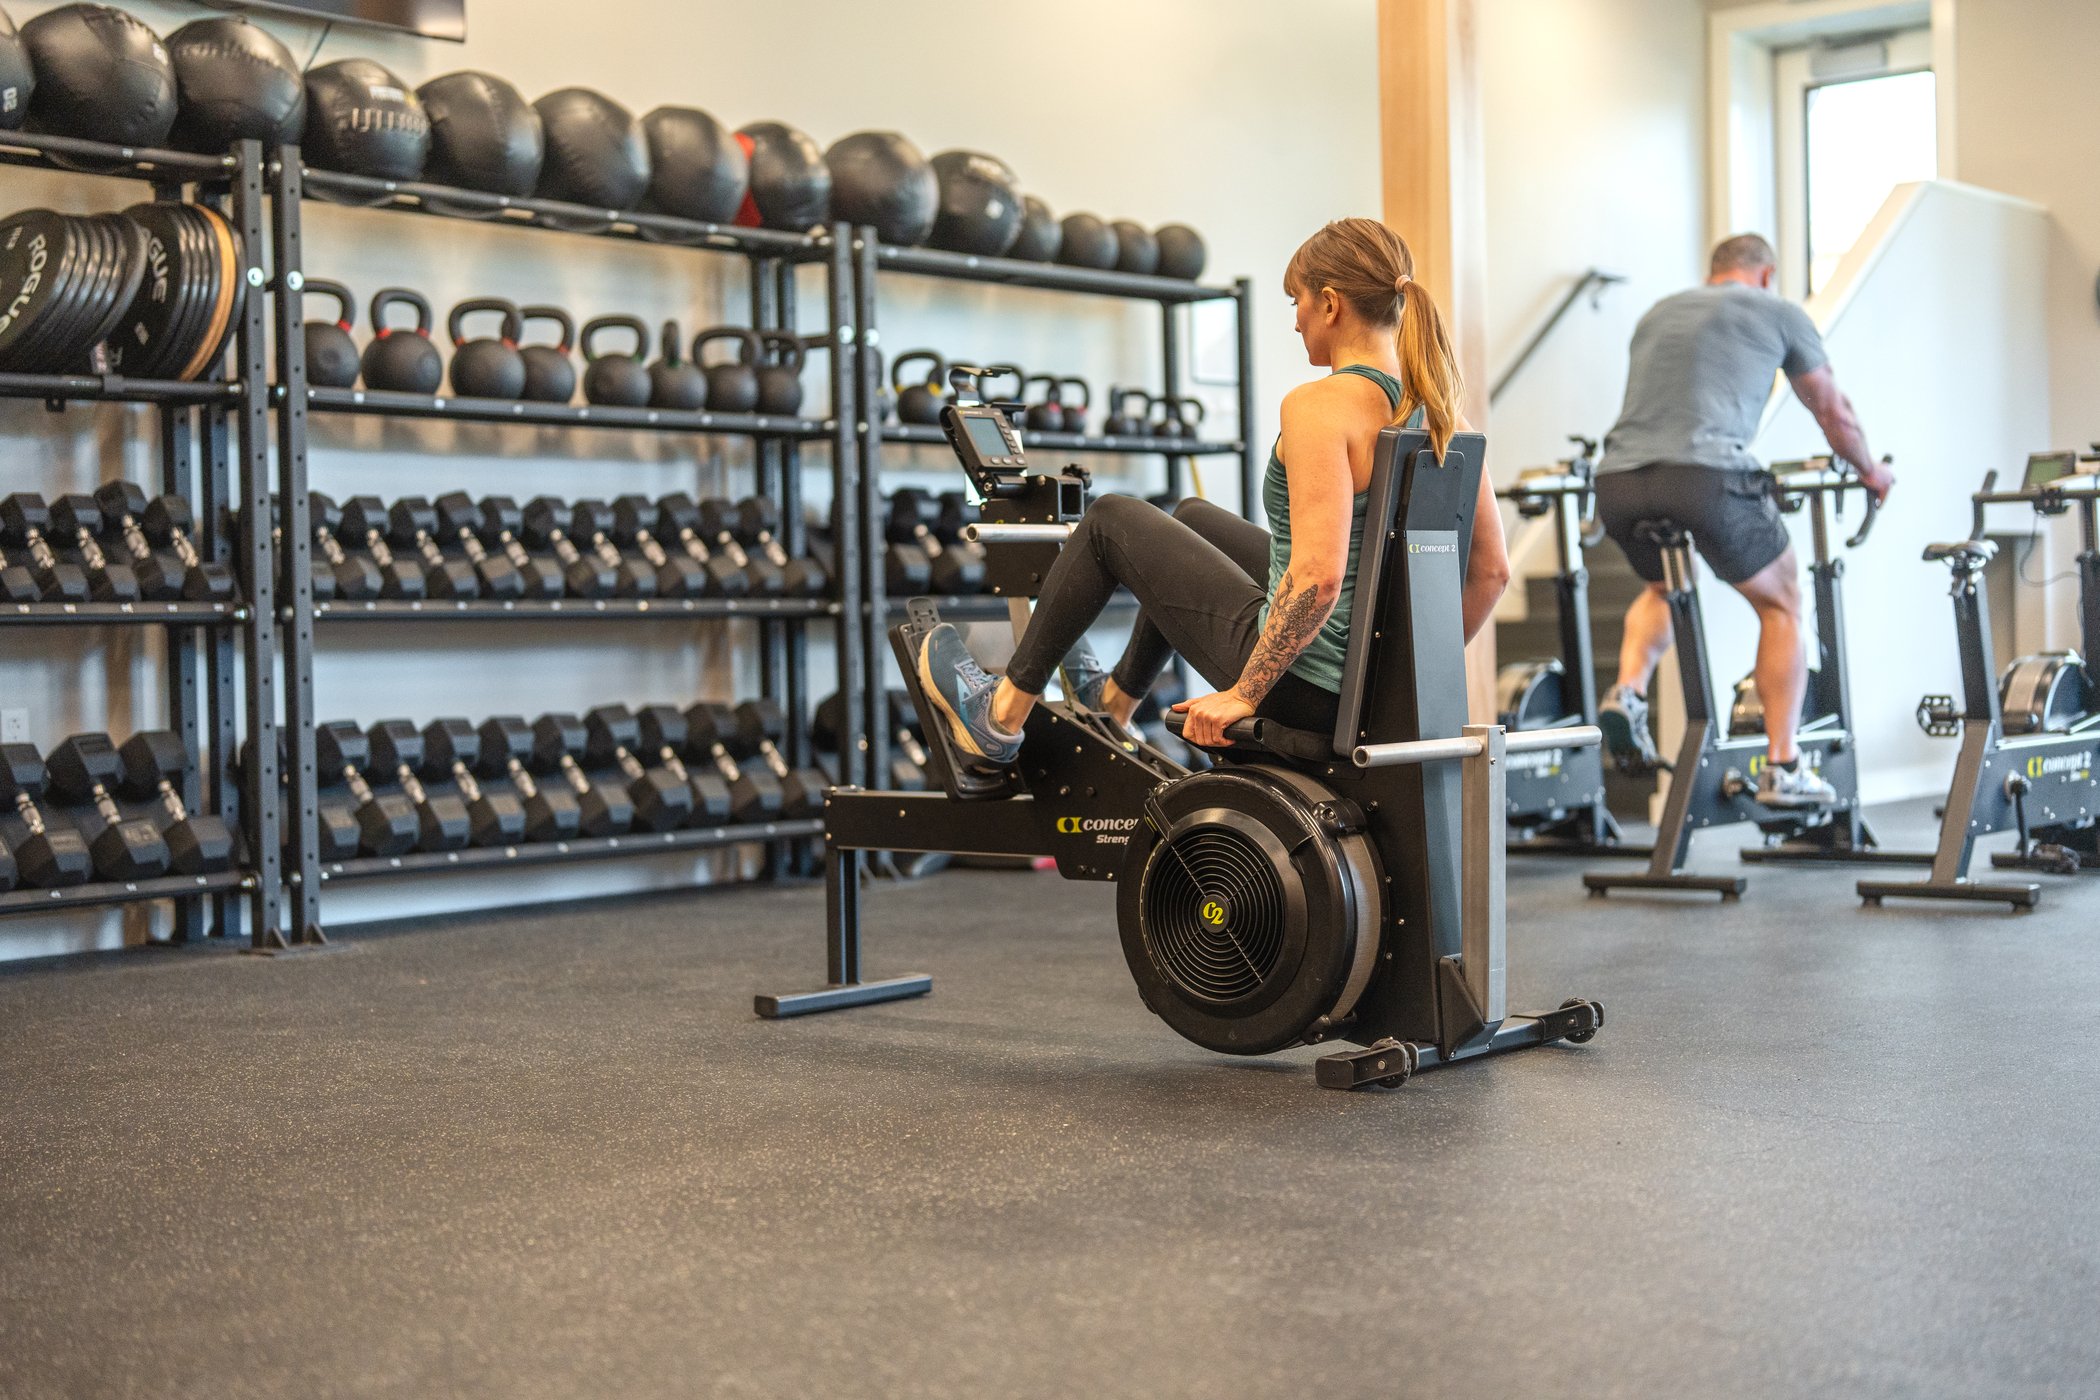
(62, 353)
(33, 245)
(126, 270)
(195, 284)
(37, 353)
(148, 320)
(229, 288)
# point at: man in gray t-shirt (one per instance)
(1702, 367)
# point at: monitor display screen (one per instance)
(434, 19)
(2047, 468)
(986, 437)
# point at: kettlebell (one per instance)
(550, 375)
(1046, 415)
(675, 381)
(331, 351)
(1168, 424)
(920, 403)
(780, 373)
(489, 368)
(1075, 414)
(732, 387)
(1186, 425)
(618, 381)
(402, 360)
(1120, 422)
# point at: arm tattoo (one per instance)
(1295, 618)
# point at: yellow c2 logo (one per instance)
(2034, 767)
(1068, 826)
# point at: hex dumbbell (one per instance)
(168, 524)
(717, 525)
(83, 770)
(557, 742)
(551, 814)
(400, 579)
(442, 823)
(758, 527)
(547, 527)
(79, 517)
(754, 793)
(24, 519)
(499, 523)
(17, 584)
(51, 855)
(760, 729)
(121, 504)
(411, 526)
(662, 800)
(454, 516)
(387, 822)
(678, 518)
(452, 749)
(666, 734)
(677, 575)
(591, 524)
(154, 762)
(913, 515)
(355, 578)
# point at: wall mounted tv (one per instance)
(434, 19)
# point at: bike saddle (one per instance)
(1664, 533)
(1963, 554)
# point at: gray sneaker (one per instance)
(1623, 716)
(1800, 787)
(961, 692)
(1086, 682)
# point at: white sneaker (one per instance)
(1799, 787)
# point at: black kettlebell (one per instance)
(732, 387)
(1046, 415)
(550, 375)
(331, 351)
(1120, 421)
(780, 373)
(921, 402)
(1075, 414)
(617, 381)
(1188, 424)
(402, 359)
(675, 381)
(489, 368)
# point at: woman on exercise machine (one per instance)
(1263, 616)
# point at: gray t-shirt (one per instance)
(1702, 367)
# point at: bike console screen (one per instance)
(989, 447)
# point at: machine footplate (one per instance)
(952, 771)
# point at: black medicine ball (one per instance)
(980, 208)
(1181, 251)
(790, 184)
(880, 178)
(17, 77)
(1088, 242)
(235, 82)
(595, 151)
(484, 135)
(1041, 235)
(698, 169)
(361, 120)
(100, 75)
(1136, 249)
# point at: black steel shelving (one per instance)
(571, 610)
(389, 404)
(639, 843)
(212, 453)
(927, 434)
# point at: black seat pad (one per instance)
(1664, 533)
(1970, 551)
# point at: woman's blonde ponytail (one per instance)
(1430, 378)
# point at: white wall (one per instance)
(1595, 151)
(1254, 122)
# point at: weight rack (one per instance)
(203, 426)
(783, 662)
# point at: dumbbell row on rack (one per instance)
(630, 547)
(96, 809)
(924, 550)
(394, 788)
(116, 546)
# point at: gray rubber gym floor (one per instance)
(1815, 1151)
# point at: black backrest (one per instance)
(1411, 491)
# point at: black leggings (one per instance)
(1200, 577)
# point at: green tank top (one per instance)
(1321, 661)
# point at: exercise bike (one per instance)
(1311, 887)
(1556, 796)
(1713, 778)
(2030, 744)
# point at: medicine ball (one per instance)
(595, 151)
(1136, 249)
(1181, 251)
(698, 169)
(235, 82)
(1088, 242)
(361, 119)
(880, 178)
(100, 75)
(17, 76)
(790, 184)
(484, 135)
(980, 208)
(1041, 234)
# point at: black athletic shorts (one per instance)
(1734, 520)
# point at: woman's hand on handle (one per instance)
(1208, 716)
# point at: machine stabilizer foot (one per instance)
(2017, 896)
(1390, 1063)
(840, 996)
(1726, 886)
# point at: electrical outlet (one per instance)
(14, 726)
